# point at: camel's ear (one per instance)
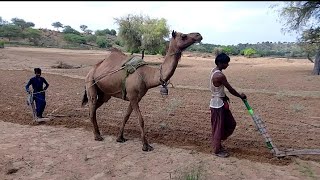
(173, 34)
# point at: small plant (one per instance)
(172, 106)
(1, 44)
(297, 107)
(62, 65)
(195, 173)
(249, 52)
(306, 170)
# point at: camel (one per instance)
(105, 80)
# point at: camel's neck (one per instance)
(167, 68)
(170, 63)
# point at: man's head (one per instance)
(222, 61)
(37, 71)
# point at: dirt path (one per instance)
(44, 152)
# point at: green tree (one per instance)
(113, 32)
(10, 31)
(70, 30)
(304, 16)
(138, 32)
(130, 31)
(103, 32)
(249, 52)
(83, 27)
(91, 38)
(154, 33)
(74, 38)
(22, 23)
(102, 42)
(57, 25)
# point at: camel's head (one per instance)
(183, 41)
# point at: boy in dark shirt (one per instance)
(38, 91)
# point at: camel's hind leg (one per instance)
(95, 99)
(125, 119)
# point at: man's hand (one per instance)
(243, 96)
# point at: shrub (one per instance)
(249, 52)
(1, 44)
(102, 42)
(73, 38)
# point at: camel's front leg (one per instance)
(146, 146)
(125, 119)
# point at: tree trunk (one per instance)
(316, 68)
(142, 54)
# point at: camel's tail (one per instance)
(85, 98)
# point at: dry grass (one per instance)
(63, 65)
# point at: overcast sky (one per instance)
(223, 23)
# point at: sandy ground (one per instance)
(281, 91)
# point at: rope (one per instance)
(96, 80)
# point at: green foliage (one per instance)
(130, 31)
(297, 14)
(57, 25)
(154, 33)
(33, 35)
(10, 31)
(102, 42)
(70, 30)
(83, 27)
(91, 38)
(105, 32)
(22, 23)
(113, 32)
(1, 44)
(304, 15)
(249, 52)
(139, 32)
(74, 38)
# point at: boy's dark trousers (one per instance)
(40, 100)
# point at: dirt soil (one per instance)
(281, 91)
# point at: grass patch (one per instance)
(193, 173)
(297, 107)
(306, 170)
(171, 107)
(63, 65)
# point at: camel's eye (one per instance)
(183, 36)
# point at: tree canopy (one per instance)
(304, 17)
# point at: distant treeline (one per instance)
(19, 32)
(263, 49)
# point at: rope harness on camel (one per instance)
(129, 67)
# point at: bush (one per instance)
(1, 44)
(73, 38)
(249, 52)
(70, 30)
(102, 42)
(91, 38)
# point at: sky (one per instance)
(223, 23)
